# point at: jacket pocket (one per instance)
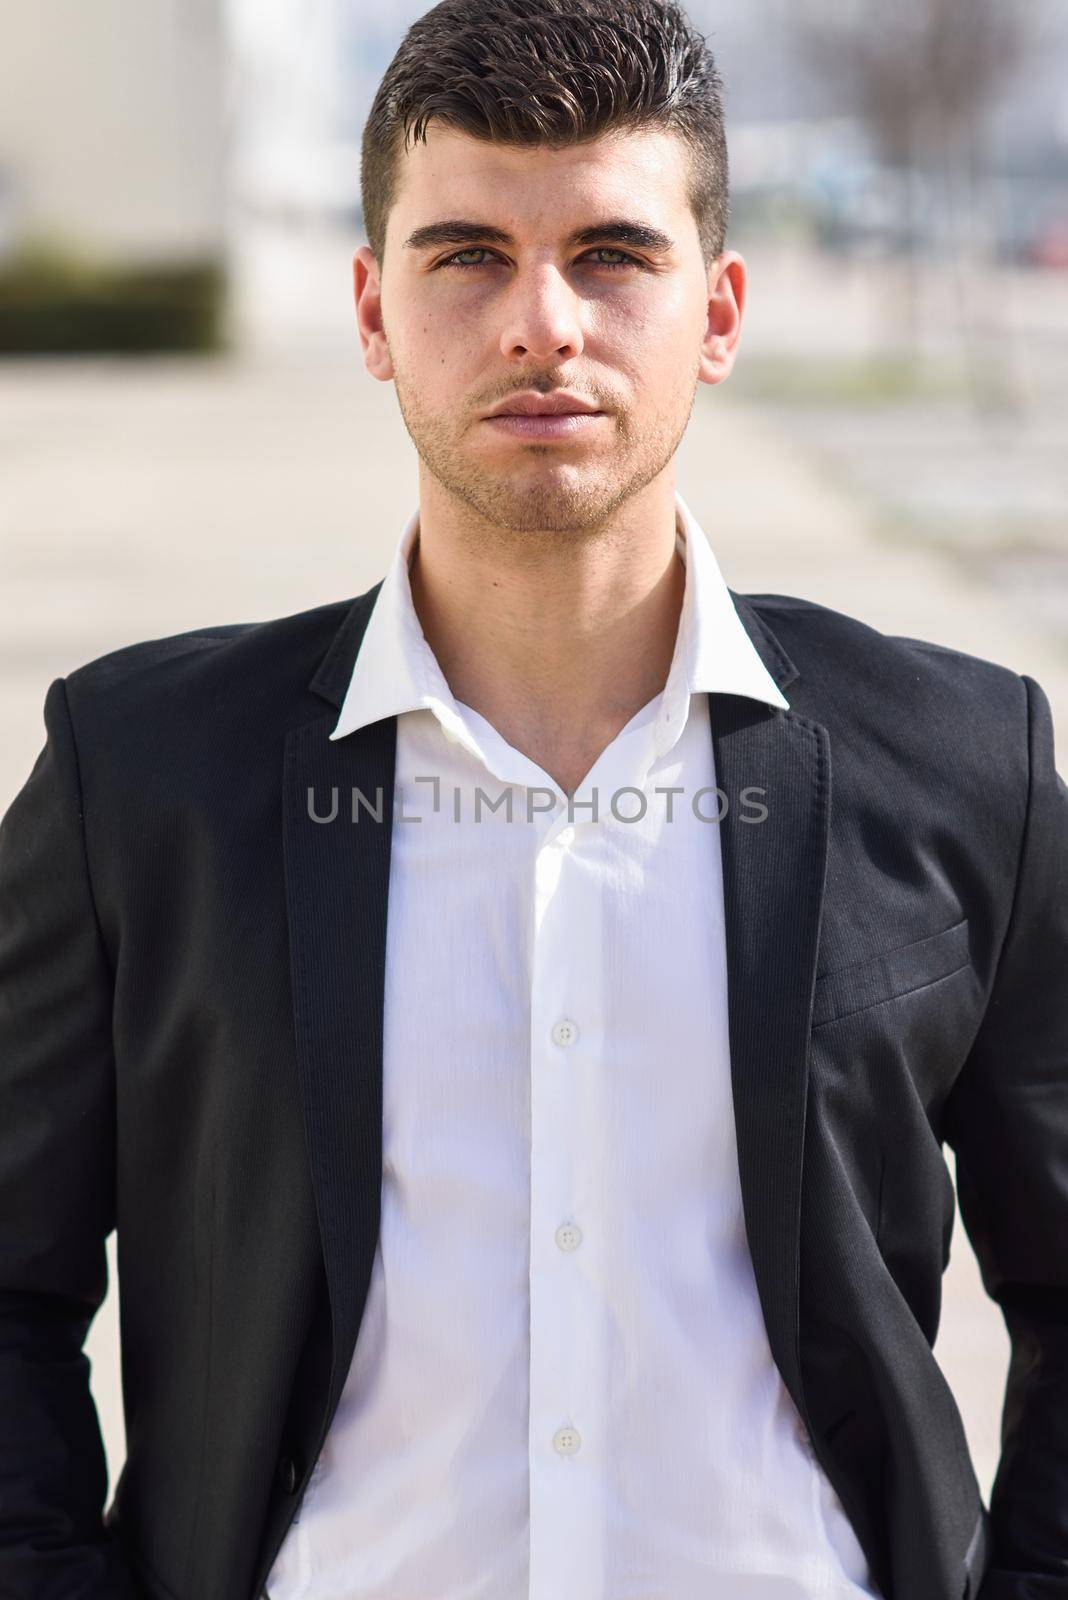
(890, 974)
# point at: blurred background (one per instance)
(188, 436)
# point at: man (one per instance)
(513, 1018)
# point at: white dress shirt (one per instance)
(562, 1387)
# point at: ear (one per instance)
(367, 293)
(727, 281)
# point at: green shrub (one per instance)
(53, 301)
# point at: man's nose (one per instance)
(542, 316)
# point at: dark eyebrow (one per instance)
(460, 231)
(638, 234)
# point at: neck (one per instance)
(557, 638)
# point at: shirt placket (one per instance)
(567, 1044)
(570, 1053)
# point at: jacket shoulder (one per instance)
(839, 655)
(209, 669)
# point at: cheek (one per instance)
(662, 320)
(648, 341)
(447, 336)
(416, 324)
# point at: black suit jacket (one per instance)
(191, 990)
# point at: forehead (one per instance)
(453, 174)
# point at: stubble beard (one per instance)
(569, 497)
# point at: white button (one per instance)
(566, 1441)
(565, 1031)
(569, 1236)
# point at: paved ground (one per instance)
(961, 452)
(146, 498)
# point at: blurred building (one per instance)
(113, 127)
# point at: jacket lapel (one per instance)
(337, 885)
(773, 883)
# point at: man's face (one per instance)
(630, 324)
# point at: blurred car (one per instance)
(1048, 246)
(1032, 217)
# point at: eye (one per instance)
(454, 260)
(481, 250)
(607, 249)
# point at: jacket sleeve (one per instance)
(57, 1184)
(1007, 1121)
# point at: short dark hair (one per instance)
(550, 73)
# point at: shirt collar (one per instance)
(396, 670)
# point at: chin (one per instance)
(561, 507)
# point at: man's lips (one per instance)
(547, 424)
(557, 402)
